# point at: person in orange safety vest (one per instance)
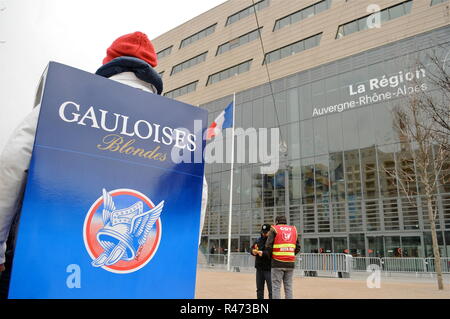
(282, 245)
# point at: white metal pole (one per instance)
(230, 211)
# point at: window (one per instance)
(352, 174)
(351, 27)
(237, 42)
(369, 173)
(198, 36)
(340, 244)
(227, 73)
(308, 182)
(188, 88)
(247, 11)
(387, 14)
(434, 2)
(189, 63)
(410, 213)
(310, 245)
(293, 48)
(337, 177)
(302, 14)
(308, 12)
(357, 245)
(396, 12)
(163, 53)
(322, 180)
(322, 6)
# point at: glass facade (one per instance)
(334, 183)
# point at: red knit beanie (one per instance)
(134, 44)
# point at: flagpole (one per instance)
(230, 211)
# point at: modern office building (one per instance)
(335, 75)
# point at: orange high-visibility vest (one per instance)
(284, 243)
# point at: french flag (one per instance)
(223, 121)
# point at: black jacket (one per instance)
(264, 262)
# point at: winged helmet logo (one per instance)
(122, 233)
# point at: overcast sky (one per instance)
(77, 33)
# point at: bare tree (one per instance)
(437, 67)
(423, 128)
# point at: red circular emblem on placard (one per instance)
(123, 224)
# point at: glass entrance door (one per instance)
(357, 245)
(244, 244)
(325, 245)
(310, 245)
(412, 246)
(376, 246)
(340, 245)
(393, 246)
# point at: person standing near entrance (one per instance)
(262, 264)
(282, 245)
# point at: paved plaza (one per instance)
(219, 284)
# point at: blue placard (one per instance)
(110, 208)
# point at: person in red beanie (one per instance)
(129, 60)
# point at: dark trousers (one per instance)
(5, 276)
(263, 276)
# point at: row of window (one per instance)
(434, 2)
(302, 14)
(338, 178)
(393, 214)
(247, 11)
(165, 52)
(229, 72)
(293, 48)
(363, 23)
(189, 63)
(185, 89)
(237, 42)
(198, 36)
